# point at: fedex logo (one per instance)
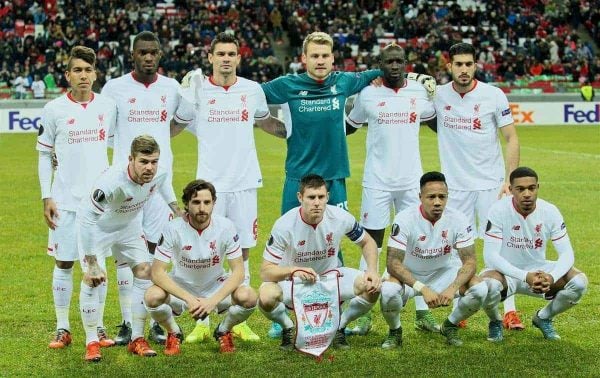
(16, 122)
(581, 116)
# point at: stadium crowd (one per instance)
(515, 40)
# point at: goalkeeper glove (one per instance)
(428, 82)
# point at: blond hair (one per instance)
(319, 38)
(144, 144)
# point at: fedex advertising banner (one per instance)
(27, 120)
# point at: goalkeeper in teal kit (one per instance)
(313, 107)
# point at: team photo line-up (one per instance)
(171, 260)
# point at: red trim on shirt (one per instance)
(393, 88)
(226, 87)
(271, 253)
(145, 84)
(559, 237)
(83, 104)
(97, 207)
(462, 95)
(187, 218)
(424, 216)
(45, 145)
(234, 251)
(517, 210)
(398, 241)
(314, 226)
(493, 236)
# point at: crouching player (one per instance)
(318, 228)
(419, 262)
(197, 245)
(516, 237)
(110, 219)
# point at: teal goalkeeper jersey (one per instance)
(314, 117)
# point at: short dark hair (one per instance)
(195, 186)
(84, 53)
(522, 172)
(144, 144)
(311, 181)
(147, 36)
(224, 37)
(432, 176)
(462, 49)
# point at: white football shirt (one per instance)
(294, 242)
(198, 256)
(429, 246)
(394, 117)
(467, 129)
(223, 123)
(143, 109)
(78, 134)
(116, 202)
(524, 239)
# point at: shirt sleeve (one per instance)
(359, 80)
(427, 109)
(47, 131)
(464, 235)
(276, 90)
(358, 114)
(276, 246)
(45, 173)
(185, 113)
(232, 243)
(166, 188)
(503, 113)
(353, 230)
(399, 235)
(562, 244)
(166, 245)
(262, 108)
(89, 213)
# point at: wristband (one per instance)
(418, 286)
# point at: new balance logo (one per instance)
(302, 93)
(211, 101)
(186, 248)
(301, 243)
(382, 103)
(516, 227)
(132, 100)
(448, 107)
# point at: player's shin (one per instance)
(358, 306)
(163, 314)
(125, 285)
(391, 303)
(469, 303)
(138, 310)
(235, 315)
(566, 298)
(492, 300)
(278, 315)
(88, 305)
(62, 290)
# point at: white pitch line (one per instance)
(583, 155)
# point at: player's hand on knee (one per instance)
(430, 297)
(446, 297)
(373, 282)
(95, 275)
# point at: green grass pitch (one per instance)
(567, 159)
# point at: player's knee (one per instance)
(64, 264)
(494, 292)
(268, 297)
(245, 296)
(577, 287)
(478, 292)
(391, 296)
(142, 271)
(154, 296)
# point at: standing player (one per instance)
(146, 102)
(111, 218)
(394, 113)
(309, 237)
(516, 238)
(419, 261)
(198, 245)
(75, 127)
(223, 117)
(470, 115)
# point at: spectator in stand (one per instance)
(38, 87)
(20, 85)
(295, 66)
(536, 68)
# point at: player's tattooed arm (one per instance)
(396, 268)
(174, 206)
(468, 268)
(273, 126)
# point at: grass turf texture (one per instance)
(566, 158)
